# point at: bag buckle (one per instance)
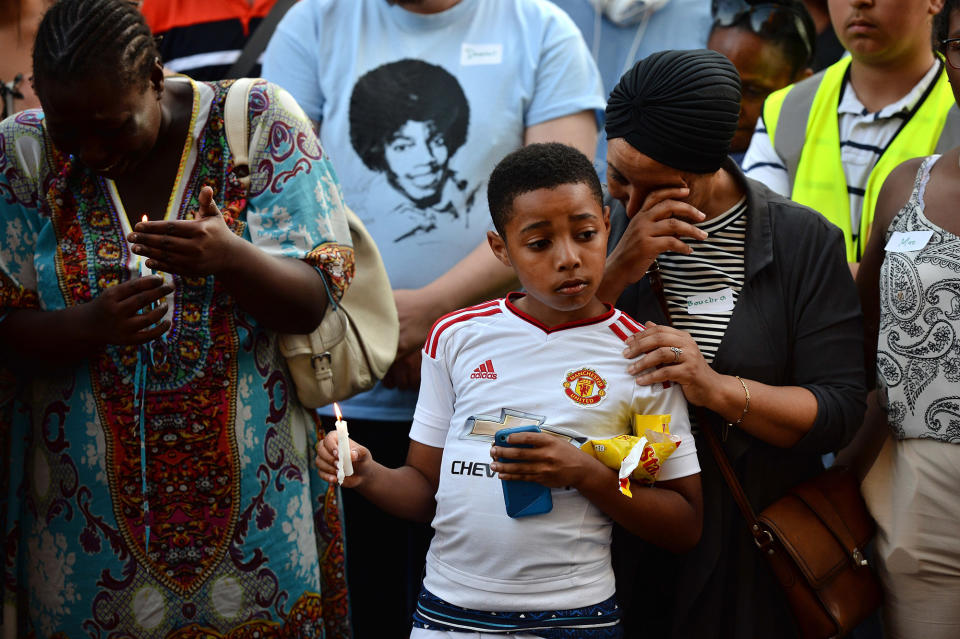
(763, 544)
(325, 355)
(858, 558)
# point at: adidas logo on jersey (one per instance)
(484, 371)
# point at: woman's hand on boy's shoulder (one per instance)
(328, 453)
(550, 461)
(665, 354)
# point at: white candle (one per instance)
(144, 270)
(344, 463)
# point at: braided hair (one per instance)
(80, 37)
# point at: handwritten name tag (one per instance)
(906, 241)
(711, 303)
(476, 54)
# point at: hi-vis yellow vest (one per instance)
(812, 155)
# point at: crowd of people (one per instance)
(588, 210)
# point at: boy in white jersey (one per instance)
(552, 357)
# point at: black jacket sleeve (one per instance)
(827, 331)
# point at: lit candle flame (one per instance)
(336, 409)
(144, 270)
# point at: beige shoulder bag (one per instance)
(356, 342)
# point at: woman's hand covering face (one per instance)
(658, 226)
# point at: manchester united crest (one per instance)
(584, 386)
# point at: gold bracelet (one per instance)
(746, 406)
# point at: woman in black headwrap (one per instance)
(766, 331)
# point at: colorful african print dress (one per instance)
(244, 537)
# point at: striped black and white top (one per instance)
(713, 271)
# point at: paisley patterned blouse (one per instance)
(244, 536)
(918, 354)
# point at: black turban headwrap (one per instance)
(679, 108)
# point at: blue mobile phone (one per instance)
(522, 498)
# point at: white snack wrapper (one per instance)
(632, 460)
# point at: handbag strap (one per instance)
(761, 536)
(236, 124)
(236, 129)
(258, 40)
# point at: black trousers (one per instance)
(385, 555)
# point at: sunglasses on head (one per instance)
(768, 18)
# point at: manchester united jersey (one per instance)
(489, 367)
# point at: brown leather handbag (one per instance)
(813, 539)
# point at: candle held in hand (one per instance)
(144, 270)
(344, 463)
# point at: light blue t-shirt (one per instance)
(679, 24)
(415, 110)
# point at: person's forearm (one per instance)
(476, 278)
(659, 515)
(860, 453)
(617, 276)
(283, 294)
(778, 415)
(40, 339)
(578, 130)
(403, 492)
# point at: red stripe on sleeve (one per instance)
(618, 332)
(444, 318)
(430, 348)
(630, 323)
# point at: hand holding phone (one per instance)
(522, 498)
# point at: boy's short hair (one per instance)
(537, 166)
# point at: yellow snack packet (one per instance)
(637, 457)
(656, 423)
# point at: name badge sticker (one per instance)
(907, 241)
(472, 55)
(711, 303)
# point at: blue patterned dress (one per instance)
(244, 536)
